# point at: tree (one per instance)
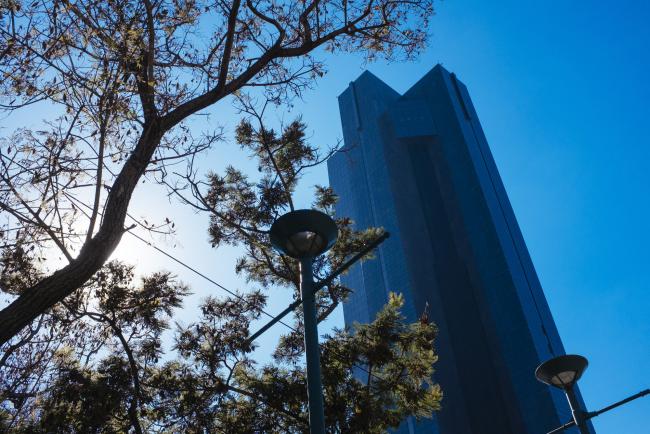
(121, 78)
(111, 373)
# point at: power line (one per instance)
(192, 269)
(274, 319)
(291, 307)
(198, 273)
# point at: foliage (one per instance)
(242, 209)
(110, 375)
(96, 363)
(84, 346)
(119, 79)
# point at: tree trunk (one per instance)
(94, 253)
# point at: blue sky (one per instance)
(562, 91)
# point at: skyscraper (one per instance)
(419, 165)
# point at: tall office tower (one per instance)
(419, 165)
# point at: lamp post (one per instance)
(303, 235)
(564, 372)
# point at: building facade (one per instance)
(419, 165)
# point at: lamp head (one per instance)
(562, 372)
(303, 233)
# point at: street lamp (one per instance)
(564, 372)
(303, 235)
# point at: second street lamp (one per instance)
(303, 235)
(564, 372)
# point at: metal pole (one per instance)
(319, 285)
(312, 353)
(579, 415)
(563, 427)
(619, 403)
(586, 415)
